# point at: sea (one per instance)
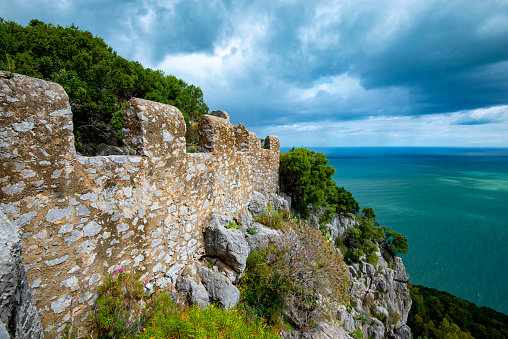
(451, 204)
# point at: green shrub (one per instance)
(357, 334)
(300, 262)
(272, 218)
(233, 224)
(173, 321)
(307, 178)
(122, 308)
(372, 259)
(252, 230)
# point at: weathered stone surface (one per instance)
(402, 333)
(219, 288)
(220, 114)
(17, 307)
(278, 202)
(261, 237)
(228, 244)
(295, 312)
(109, 150)
(84, 217)
(376, 329)
(378, 290)
(257, 204)
(340, 224)
(196, 293)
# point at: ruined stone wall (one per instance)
(84, 217)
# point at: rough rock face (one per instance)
(219, 287)
(214, 277)
(261, 237)
(227, 243)
(18, 314)
(380, 299)
(380, 296)
(196, 293)
(339, 225)
(257, 204)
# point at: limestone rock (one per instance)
(313, 221)
(219, 288)
(109, 150)
(402, 333)
(257, 204)
(278, 202)
(380, 292)
(196, 293)
(339, 225)
(295, 312)
(376, 329)
(228, 244)
(17, 307)
(261, 237)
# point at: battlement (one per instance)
(84, 217)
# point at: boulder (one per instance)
(257, 204)
(246, 219)
(228, 244)
(313, 221)
(294, 311)
(18, 313)
(219, 288)
(196, 293)
(261, 237)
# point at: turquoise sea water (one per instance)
(451, 203)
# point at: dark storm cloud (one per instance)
(296, 62)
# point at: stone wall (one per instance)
(84, 217)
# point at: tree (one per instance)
(368, 213)
(396, 242)
(97, 80)
(307, 178)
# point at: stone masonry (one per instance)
(83, 217)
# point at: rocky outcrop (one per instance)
(380, 300)
(225, 241)
(259, 236)
(18, 314)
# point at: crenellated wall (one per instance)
(84, 217)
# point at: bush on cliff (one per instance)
(97, 80)
(307, 178)
(366, 236)
(301, 263)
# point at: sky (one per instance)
(322, 72)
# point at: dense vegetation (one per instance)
(125, 310)
(300, 268)
(97, 80)
(307, 178)
(437, 314)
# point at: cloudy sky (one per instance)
(319, 73)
